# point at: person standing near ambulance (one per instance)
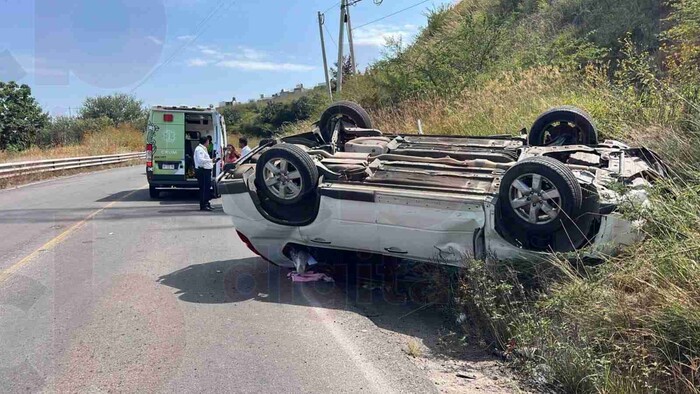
(203, 165)
(243, 144)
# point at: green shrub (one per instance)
(120, 108)
(264, 120)
(232, 114)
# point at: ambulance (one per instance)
(172, 135)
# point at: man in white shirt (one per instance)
(243, 144)
(203, 165)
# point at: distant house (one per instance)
(298, 91)
(228, 103)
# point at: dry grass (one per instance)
(289, 129)
(413, 349)
(110, 141)
(298, 127)
(511, 103)
(506, 104)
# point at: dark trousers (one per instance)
(204, 181)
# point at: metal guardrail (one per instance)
(8, 170)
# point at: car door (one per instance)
(168, 143)
(428, 229)
(345, 221)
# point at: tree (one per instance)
(347, 71)
(20, 116)
(119, 108)
(307, 106)
(232, 114)
(276, 113)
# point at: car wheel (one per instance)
(285, 173)
(539, 195)
(153, 192)
(563, 126)
(345, 111)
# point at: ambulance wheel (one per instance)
(153, 192)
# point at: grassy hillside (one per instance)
(632, 323)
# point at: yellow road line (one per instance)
(7, 273)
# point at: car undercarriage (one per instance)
(441, 199)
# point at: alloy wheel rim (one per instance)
(535, 199)
(283, 179)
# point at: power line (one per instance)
(330, 36)
(392, 14)
(201, 26)
(324, 22)
(199, 30)
(331, 7)
(353, 2)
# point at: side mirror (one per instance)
(229, 167)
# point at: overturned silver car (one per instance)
(347, 186)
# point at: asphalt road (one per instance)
(103, 289)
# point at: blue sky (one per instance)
(183, 52)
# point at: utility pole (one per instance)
(339, 79)
(352, 46)
(321, 21)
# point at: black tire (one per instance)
(215, 190)
(153, 192)
(302, 162)
(555, 174)
(349, 112)
(583, 131)
(577, 233)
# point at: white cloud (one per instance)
(197, 62)
(243, 58)
(251, 54)
(252, 65)
(379, 35)
(155, 40)
(185, 38)
(213, 53)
